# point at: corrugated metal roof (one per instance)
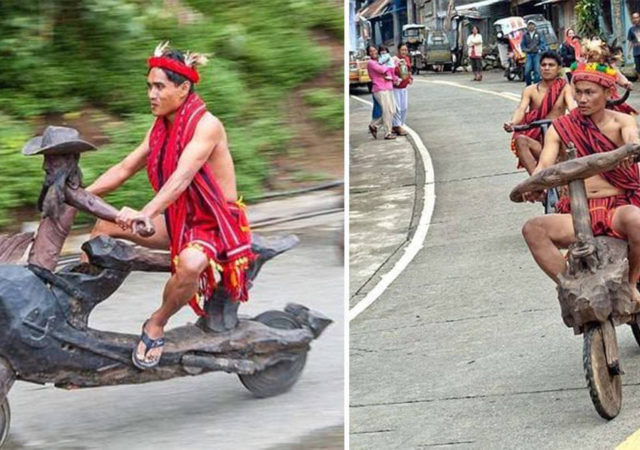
(374, 9)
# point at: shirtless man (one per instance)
(194, 211)
(614, 196)
(548, 99)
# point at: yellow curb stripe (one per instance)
(631, 443)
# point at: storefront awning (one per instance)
(480, 4)
(547, 2)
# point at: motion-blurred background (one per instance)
(275, 79)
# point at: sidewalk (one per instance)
(383, 196)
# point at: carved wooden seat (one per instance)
(110, 253)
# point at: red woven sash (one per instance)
(588, 139)
(201, 215)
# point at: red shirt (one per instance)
(404, 83)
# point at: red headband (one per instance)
(174, 66)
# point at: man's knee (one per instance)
(191, 263)
(523, 146)
(629, 222)
(533, 231)
(102, 228)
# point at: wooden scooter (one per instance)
(594, 291)
(44, 332)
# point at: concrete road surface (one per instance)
(212, 411)
(467, 349)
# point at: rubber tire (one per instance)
(605, 389)
(280, 377)
(635, 328)
(511, 76)
(5, 421)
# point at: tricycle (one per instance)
(44, 311)
(594, 291)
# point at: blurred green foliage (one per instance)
(328, 107)
(59, 56)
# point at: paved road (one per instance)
(213, 410)
(466, 349)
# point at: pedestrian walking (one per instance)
(633, 39)
(570, 51)
(531, 45)
(400, 94)
(474, 46)
(382, 80)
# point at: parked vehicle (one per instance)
(358, 75)
(438, 53)
(427, 48)
(415, 36)
(509, 32)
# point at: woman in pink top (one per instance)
(382, 81)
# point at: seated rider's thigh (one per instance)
(159, 240)
(527, 143)
(626, 222)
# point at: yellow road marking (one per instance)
(631, 443)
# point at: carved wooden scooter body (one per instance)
(594, 292)
(44, 314)
(595, 286)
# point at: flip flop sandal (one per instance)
(390, 136)
(374, 131)
(148, 344)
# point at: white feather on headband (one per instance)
(190, 59)
(160, 49)
(195, 59)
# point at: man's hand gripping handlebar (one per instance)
(543, 124)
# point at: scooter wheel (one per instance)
(605, 386)
(279, 378)
(5, 421)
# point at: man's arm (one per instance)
(520, 111)
(208, 134)
(550, 150)
(569, 100)
(629, 129)
(121, 172)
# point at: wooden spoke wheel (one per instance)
(279, 378)
(605, 384)
(5, 420)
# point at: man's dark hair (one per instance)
(382, 48)
(549, 54)
(176, 78)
